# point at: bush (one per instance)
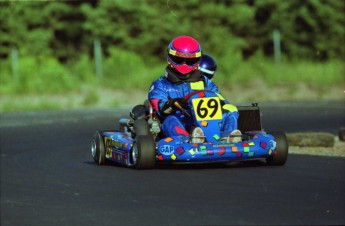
(83, 69)
(123, 70)
(316, 74)
(38, 75)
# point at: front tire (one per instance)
(282, 149)
(98, 148)
(144, 152)
(141, 127)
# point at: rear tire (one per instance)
(144, 152)
(282, 149)
(341, 134)
(98, 148)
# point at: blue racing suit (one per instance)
(178, 124)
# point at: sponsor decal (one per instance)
(166, 149)
(112, 143)
(108, 153)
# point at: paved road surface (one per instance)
(48, 177)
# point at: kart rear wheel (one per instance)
(97, 148)
(341, 134)
(141, 127)
(282, 149)
(144, 152)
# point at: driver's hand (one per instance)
(177, 103)
(173, 104)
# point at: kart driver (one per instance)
(181, 78)
(208, 66)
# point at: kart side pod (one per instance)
(272, 147)
(143, 153)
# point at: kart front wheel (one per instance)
(97, 148)
(141, 127)
(281, 151)
(144, 152)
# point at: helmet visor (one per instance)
(181, 60)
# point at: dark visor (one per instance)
(181, 60)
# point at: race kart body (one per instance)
(140, 143)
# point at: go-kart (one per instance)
(140, 143)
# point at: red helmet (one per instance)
(184, 54)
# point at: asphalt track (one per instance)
(48, 177)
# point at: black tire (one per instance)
(144, 152)
(282, 149)
(141, 127)
(341, 134)
(98, 148)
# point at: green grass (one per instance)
(125, 71)
(285, 73)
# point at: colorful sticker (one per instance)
(203, 150)
(191, 151)
(245, 149)
(221, 151)
(180, 150)
(168, 139)
(263, 144)
(204, 123)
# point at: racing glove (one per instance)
(173, 104)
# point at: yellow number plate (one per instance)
(207, 108)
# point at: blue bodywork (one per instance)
(118, 147)
(260, 145)
(256, 145)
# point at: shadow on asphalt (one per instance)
(183, 166)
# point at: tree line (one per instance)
(309, 29)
